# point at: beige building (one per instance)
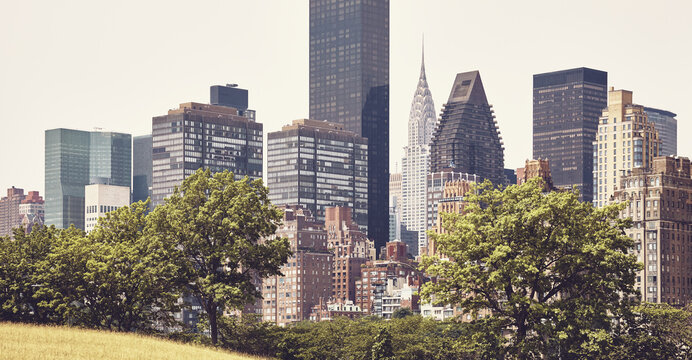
(625, 140)
(100, 199)
(660, 205)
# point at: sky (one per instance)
(114, 65)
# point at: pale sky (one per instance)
(115, 64)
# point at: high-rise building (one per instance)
(307, 275)
(202, 136)
(318, 164)
(626, 140)
(395, 200)
(659, 205)
(667, 127)
(416, 161)
(349, 84)
(436, 192)
(566, 107)
(453, 201)
(100, 199)
(141, 168)
(75, 159)
(16, 206)
(467, 138)
(351, 249)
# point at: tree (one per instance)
(220, 228)
(133, 281)
(382, 346)
(19, 262)
(552, 271)
(402, 312)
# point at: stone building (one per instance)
(19, 210)
(659, 201)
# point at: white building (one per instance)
(100, 199)
(416, 161)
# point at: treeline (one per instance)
(131, 271)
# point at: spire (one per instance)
(422, 60)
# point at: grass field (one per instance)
(18, 341)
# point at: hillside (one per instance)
(18, 341)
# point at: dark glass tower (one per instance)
(349, 84)
(141, 168)
(467, 138)
(566, 108)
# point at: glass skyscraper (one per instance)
(667, 127)
(467, 138)
(141, 168)
(74, 159)
(566, 108)
(349, 84)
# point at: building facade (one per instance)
(667, 127)
(467, 138)
(202, 136)
(659, 201)
(17, 206)
(626, 140)
(318, 164)
(307, 275)
(351, 249)
(436, 192)
(75, 159)
(566, 107)
(536, 168)
(100, 199)
(142, 171)
(416, 161)
(349, 84)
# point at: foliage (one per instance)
(402, 312)
(215, 224)
(553, 271)
(382, 345)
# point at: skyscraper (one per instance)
(141, 168)
(202, 136)
(74, 159)
(626, 140)
(467, 138)
(318, 164)
(349, 84)
(416, 161)
(667, 127)
(17, 208)
(566, 108)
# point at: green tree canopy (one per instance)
(553, 271)
(217, 226)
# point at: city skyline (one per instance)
(76, 60)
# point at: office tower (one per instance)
(141, 168)
(202, 136)
(626, 140)
(351, 249)
(566, 107)
(435, 192)
(17, 210)
(416, 161)
(349, 84)
(667, 127)
(100, 199)
(510, 177)
(74, 159)
(451, 202)
(231, 96)
(307, 275)
(659, 205)
(467, 138)
(318, 164)
(536, 168)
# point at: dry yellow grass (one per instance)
(18, 341)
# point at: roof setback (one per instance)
(468, 88)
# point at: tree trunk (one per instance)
(211, 312)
